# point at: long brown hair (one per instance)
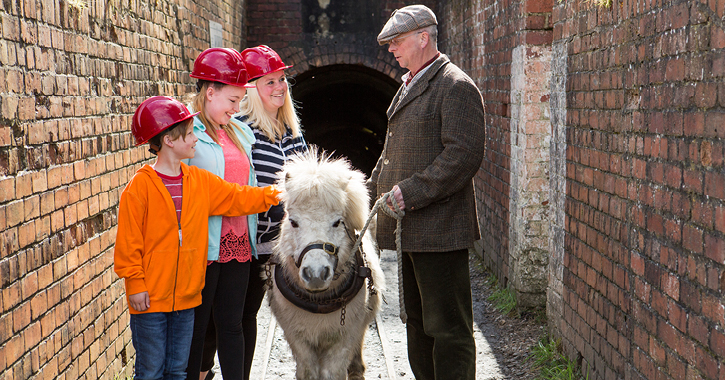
(198, 103)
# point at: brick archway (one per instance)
(341, 54)
(343, 110)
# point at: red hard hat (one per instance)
(262, 60)
(156, 114)
(223, 65)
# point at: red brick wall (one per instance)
(499, 26)
(644, 275)
(70, 79)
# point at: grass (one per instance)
(547, 355)
(504, 300)
(552, 363)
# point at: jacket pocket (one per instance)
(160, 273)
(192, 270)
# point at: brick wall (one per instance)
(71, 75)
(310, 34)
(510, 52)
(500, 24)
(644, 257)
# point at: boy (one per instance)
(161, 242)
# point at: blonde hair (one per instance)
(253, 107)
(198, 103)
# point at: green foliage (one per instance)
(552, 363)
(504, 300)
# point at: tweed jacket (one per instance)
(433, 148)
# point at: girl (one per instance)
(224, 148)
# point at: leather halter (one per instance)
(329, 248)
(333, 302)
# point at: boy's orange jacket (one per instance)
(167, 259)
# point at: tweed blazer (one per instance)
(433, 148)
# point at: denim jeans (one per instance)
(162, 342)
(437, 298)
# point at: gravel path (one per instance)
(502, 342)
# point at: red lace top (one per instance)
(234, 244)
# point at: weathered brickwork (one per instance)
(71, 75)
(511, 117)
(557, 187)
(500, 23)
(529, 196)
(644, 259)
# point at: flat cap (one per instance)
(406, 19)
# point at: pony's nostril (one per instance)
(306, 274)
(325, 274)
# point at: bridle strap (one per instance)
(330, 248)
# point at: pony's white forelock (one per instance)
(315, 178)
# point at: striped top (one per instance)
(268, 158)
(174, 185)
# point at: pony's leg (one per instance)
(306, 359)
(334, 362)
(356, 369)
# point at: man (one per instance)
(433, 148)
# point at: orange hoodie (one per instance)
(154, 253)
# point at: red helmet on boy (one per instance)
(262, 60)
(223, 65)
(155, 114)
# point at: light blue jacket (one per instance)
(210, 156)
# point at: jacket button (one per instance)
(386, 161)
(390, 134)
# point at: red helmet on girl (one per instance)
(224, 65)
(155, 114)
(262, 60)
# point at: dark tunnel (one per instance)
(342, 108)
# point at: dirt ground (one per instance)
(502, 341)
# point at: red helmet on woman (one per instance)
(262, 60)
(223, 65)
(155, 114)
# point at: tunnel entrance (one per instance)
(342, 108)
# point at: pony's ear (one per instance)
(344, 183)
(358, 201)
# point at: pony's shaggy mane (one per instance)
(315, 179)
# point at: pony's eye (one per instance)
(337, 223)
(293, 223)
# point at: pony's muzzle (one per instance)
(317, 269)
(316, 278)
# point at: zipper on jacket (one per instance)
(176, 278)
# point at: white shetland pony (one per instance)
(324, 295)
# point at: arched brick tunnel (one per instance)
(342, 108)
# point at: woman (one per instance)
(224, 148)
(270, 112)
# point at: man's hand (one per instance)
(139, 301)
(398, 195)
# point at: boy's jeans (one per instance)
(162, 342)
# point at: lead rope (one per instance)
(398, 215)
